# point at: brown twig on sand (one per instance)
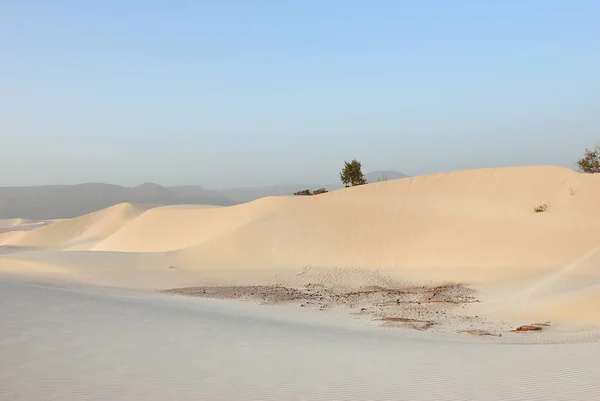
(413, 323)
(478, 332)
(526, 328)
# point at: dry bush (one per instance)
(590, 162)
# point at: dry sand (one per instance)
(74, 343)
(472, 233)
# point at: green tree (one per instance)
(352, 175)
(590, 162)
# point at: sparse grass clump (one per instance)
(540, 208)
(307, 192)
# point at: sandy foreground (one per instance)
(449, 260)
(77, 343)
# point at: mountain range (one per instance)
(66, 201)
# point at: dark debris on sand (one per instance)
(417, 307)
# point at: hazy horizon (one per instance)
(238, 94)
(382, 174)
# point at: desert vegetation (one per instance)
(352, 175)
(308, 192)
(590, 162)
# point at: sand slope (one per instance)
(475, 226)
(80, 230)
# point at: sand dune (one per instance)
(476, 227)
(568, 294)
(10, 223)
(20, 224)
(80, 230)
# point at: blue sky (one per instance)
(229, 93)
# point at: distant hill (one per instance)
(384, 175)
(65, 201)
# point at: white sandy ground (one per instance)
(475, 227)
(78, 343)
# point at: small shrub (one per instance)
(304, 192)
(590, 162)
(320, 191)
(540, 208)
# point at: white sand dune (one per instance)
(567, 294)
(80, 230)
(10, 223)
(476, 227)
(472, 225)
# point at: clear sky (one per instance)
(226, 93)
